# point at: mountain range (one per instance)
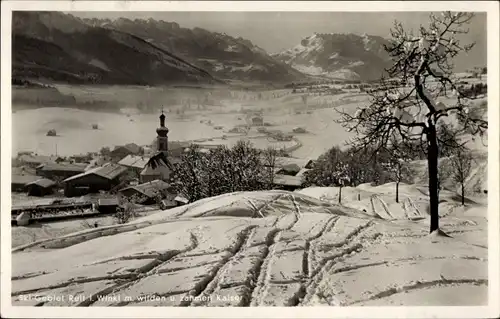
(60, 47)
(220, 54)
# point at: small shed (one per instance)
(107, 205)
(41, 187)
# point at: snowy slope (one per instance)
(271, 248)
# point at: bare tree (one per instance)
(341, 175)
(461, 165)
(443, 173)
(269, 157)
(400, 170)
(404, 105)
(127, 209)
(397, 163)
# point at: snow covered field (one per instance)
(270, 248)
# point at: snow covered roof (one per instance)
(23, 179)
(23, 170)
(43, 182)
(302, 172)
(157, 171)
(300, 162)
(108, 171)
(149, 189)
(287, 180)
(182, 199)
(36, 159)
(63, 167)
(134, 161)
(113, 201)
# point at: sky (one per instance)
(277, 31)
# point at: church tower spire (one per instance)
(162, 132)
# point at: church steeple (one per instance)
(162, 132)
(162, 119)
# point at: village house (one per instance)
(102, 178)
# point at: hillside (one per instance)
(60, 48)
(341, 56)
(271, 248)
(220, 54)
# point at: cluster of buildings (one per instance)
(129, 170)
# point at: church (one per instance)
(158, 166)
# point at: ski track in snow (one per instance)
(288, 254)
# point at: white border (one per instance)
(490, 311)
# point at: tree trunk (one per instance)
(340, 194)
(397, 192)
(463, 194)
(432, 161)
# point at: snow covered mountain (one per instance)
(220, 54)
(342, 56)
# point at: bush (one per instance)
(223, 170)
(361, 166)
